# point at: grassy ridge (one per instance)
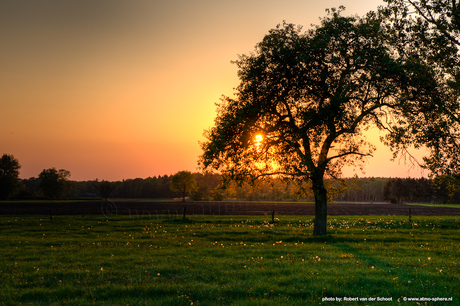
(77, 260)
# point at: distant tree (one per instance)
(444, 188)
(55, 184)
(104, 188)
(424, 190)
(31, 188)
(304, 101)
(9, 176)
(420, 190)
(201, 192)
(207, 185)
(147, 188)
(183, 182)
(85, 188)
(217, 194)
(396, 190)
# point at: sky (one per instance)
(115, 89)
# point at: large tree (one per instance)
(305, 100)
(431, 29)
(9, 175)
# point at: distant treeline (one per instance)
(209, 188)
(399, 190)
(444, 190)
(151, 187)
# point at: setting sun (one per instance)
(258, 138)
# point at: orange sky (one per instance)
(123, 89)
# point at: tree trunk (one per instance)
(320, 208)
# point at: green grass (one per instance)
(222, 260)
(434, 205)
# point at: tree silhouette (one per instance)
(9, 175)
(430, 30)
(54, 183)
(105, 188)
(183, 182)
(305, 99)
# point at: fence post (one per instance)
(273, 216)
(410, 216)
(183, 217)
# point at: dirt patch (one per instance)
(146, 208)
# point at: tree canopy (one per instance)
(54, 183)
(305, 99)
(104, 188)
(183, 182)
(430, 31)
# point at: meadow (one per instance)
(228, 260)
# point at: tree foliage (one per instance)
(207, 187)
(183, 182)
(9, 176)
(104, 188)
(429, 30)
(431, 27)
(310, 96)
(55, 184)
(421, 190)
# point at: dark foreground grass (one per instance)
(221, 260)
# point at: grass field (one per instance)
(223, 260)
(436, 205)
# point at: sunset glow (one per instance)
(258, 141)
(124, 89)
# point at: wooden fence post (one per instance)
(183, 217)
